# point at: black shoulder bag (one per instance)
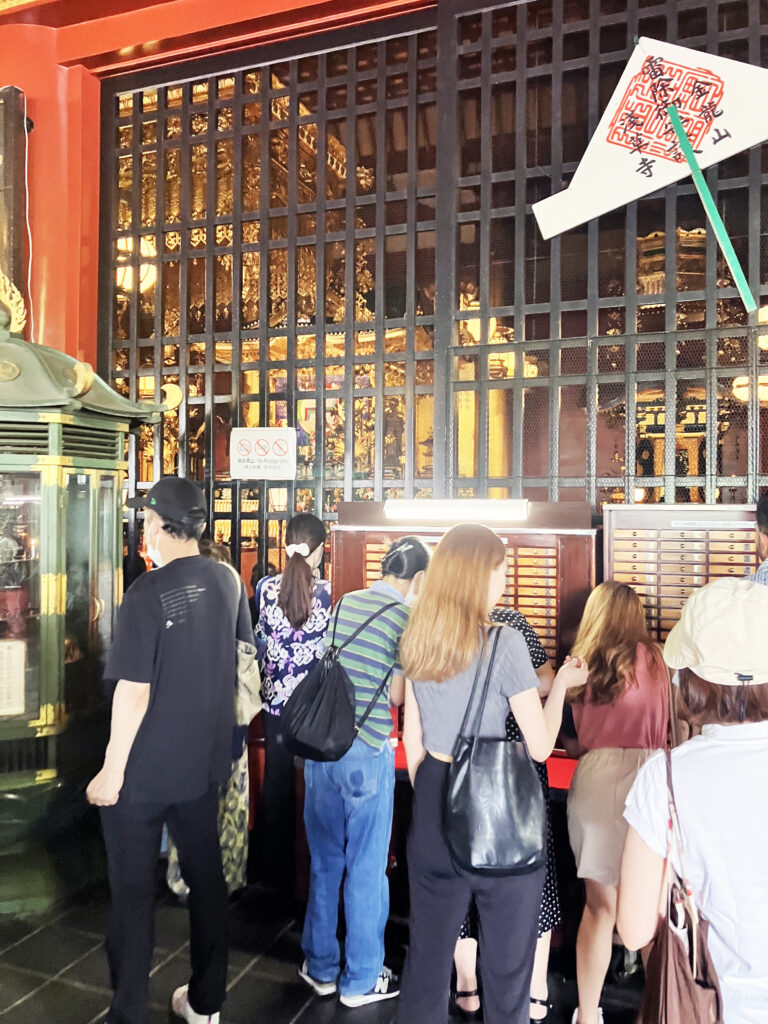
(495, 819)
(319, 717)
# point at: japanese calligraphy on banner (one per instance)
(635, 150)
(262, 453)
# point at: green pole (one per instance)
(709, 205)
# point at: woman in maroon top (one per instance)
(621, 716)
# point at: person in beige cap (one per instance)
(720, 777)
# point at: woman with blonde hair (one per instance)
(621, 717)
(440, 650)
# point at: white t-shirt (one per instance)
(720, 780)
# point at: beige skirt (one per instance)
(596, 826)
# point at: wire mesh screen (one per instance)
(631, 368)
(272, 263)
(270, 244)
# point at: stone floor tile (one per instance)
(50, 950)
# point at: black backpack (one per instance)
(318, 719)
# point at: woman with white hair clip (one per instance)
(720, 777)
(294, 611)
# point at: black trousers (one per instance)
(278, 809)
(132, 834)
(508, 910)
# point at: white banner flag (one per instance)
(635, 151)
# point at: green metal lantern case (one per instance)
(62, 447)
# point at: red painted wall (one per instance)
(59, 69)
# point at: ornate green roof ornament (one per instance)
(39, 377)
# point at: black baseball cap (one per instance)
(173, 498)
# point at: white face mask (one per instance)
(153, 552)
(411, 598)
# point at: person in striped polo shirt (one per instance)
(348, 803)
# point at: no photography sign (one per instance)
(262, 453)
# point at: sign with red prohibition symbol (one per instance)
(262, 453)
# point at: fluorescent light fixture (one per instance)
(482, 510)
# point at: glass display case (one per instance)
(63, 438)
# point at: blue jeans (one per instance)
(348, 818)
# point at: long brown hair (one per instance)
(612, 626)
(445, 628)
(297, 586)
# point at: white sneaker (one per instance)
(387, 987)
(575, 1017)
(180, 1006)
(323, 988)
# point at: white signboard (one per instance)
(635, 150)
(12, 672)
(262, 453)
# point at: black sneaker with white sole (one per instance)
(322, 988)
(387, 987)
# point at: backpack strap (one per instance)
(373, 701)
(359, 630)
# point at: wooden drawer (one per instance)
(744, 547)
(639, 534)
(685, 557)
(681, 568)
(542, 621)
(747, 534)
(684, 534)
(620, 557)
(537, 552)
(531, 590)
(635, 545)
(683, 545)
(686, 578)
(739, 571)
(536, 563)
(540, 603)
(636, 577)
(624, 569)
(668, 593)
(728, 558)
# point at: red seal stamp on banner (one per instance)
(641, 123)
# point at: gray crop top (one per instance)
(442, 705)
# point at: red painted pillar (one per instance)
(63, 189)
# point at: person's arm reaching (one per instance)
(540, 725)
(129, 706)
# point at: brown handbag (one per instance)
(681, 985)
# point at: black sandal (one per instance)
(540, 1002)
(458, 1011)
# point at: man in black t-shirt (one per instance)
(174, 660)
